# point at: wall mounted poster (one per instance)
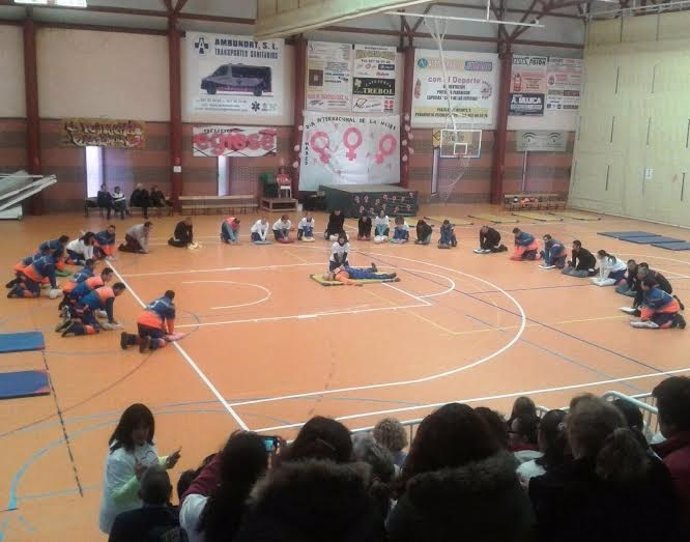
(234, 141)
(472, 84)
(329, 76)
(528, 85)
(373, 84)
(234, 74)
(349, 149)
(564, 84)
(114, 133)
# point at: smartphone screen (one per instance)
(271, 443)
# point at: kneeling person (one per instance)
(489, 241)
(83, 316)
(154, 324)
(184, 234)
(659, 310)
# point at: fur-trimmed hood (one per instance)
(314, 499)
(489, 476)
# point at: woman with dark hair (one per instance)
(612, 490)
(314, 493)
(131, 452)
(459, 484)
(497, 424)
(611, 269)
(523, 406)
(335, 226)
(216, 516)
(81, 249)
(320, 438)
(552, 444)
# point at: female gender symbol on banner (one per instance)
(352, 146)
(386, 147)
(319, 142)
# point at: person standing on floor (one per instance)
(137, 238)
(183, 235)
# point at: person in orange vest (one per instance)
(230, 230)
(83, 319)
(30, 278)
(153, 325)
(73, 293)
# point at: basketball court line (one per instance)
(541, 391)
(248, 304)
(189, 360)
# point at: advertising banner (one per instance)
(564, 84)
(234, 141)
(234, 74)
(472, 82)
(528, 85)
(329, 76)
(373, 85)
(541, 141)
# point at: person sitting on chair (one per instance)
(140, 198)
(184, 234)
(104, 199)
(157, 197)
(119, 202)
(424, 232)
(526, 246)
(489, 241)
(284, 182)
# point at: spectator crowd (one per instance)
(591, 473)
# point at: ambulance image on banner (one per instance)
(238, 78)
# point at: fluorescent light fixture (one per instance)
(60, 3)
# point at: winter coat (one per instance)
(478, 502)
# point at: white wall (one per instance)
(12, 101)
(83, 73)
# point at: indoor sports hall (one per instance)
(356, 210)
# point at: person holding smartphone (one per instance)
(131, 451)
(213, 506)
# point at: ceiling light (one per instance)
(61, 3)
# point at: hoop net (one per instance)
(453, 140)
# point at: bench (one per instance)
(92, 203)
(198, 204)
(515, 202)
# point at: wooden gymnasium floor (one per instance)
(268, 348)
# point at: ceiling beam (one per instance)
(180, 6)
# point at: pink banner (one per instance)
(234, 141)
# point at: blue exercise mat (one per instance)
(21, 342)
(655, 239)
(673, 246)
(23, 384)
(624, 234)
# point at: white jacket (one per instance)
(78, 246)
(120, 484)
(608, 266)
(190, 513)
